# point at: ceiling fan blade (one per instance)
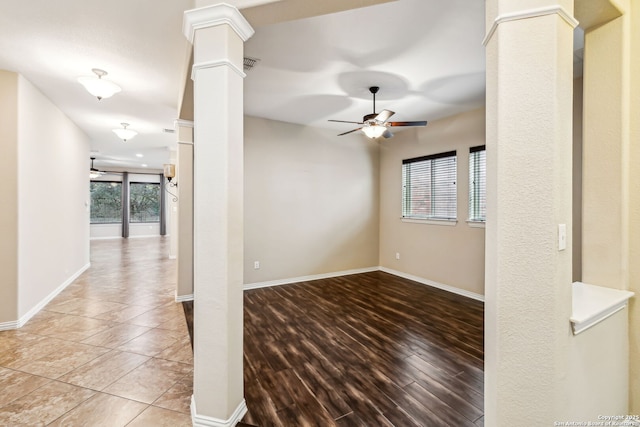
(354, 130)
(421, 123)
(387, 134)
(344, 121)
(384, 115)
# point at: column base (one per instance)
(205, 421)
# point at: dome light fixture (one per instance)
(99, 87)
(373, 131)
(124, 133)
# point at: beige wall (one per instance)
(433, 252)
(9, 211)
(577, 181)
(634, 211)
(53, 223)
(311, 201)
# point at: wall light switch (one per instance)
(562, 237)
(256, 265)
(397, 255)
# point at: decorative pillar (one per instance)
(218, 34)
(529, 194)
(184, 170)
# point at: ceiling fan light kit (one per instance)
(124, 133)
(93, 172)
(375, 125)
(99, 87)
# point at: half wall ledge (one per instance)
(592, 304)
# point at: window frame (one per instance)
(477, 196)
(110, 182)
(435, 182)
(131, 211)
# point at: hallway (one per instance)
(111, 350)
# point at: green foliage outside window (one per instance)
(144, 202)
(106, 202)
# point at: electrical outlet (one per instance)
(397, 255)
(256, 265)
(562, 237)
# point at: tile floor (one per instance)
(111, 350)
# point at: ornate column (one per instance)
(218, 34)
(529, 162)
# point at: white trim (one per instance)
(291, 280)
(447, 222)
(206, 421)
(530, 13)
(183, 123)
(183, 298)
(421, 280)
(173, 257)
(7, 326)
(214, 15)
(592, 304)
(476, 224)
(24, 319)
(214, 64)
(106, 238)
(431, 283)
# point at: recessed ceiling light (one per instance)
(139, 155)
(144, 165)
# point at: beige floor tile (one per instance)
(66, 358)
(102, 410)
(178, 397)
(84, 307)
(17, 357)
(73, 328)
(152, 342)
(148, 381)
(43, 405)
(180, 351)
(104, 370)
(115, 336)
(15, 384)
(153, 318)
(125, 313)
(159, 417)
(13, 339)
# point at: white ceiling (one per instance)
(426, 56)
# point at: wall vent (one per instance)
(249, 63)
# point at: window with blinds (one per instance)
(429, 187)
(477, 183)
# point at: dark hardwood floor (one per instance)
(369, 349)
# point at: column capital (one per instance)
(214, 15)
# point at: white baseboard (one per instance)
(205, 421)
(183, 298)
(106, 238)
(420, 280)
(24, 319)
(431, 283)
(291, 280)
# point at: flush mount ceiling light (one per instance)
(99, 87)
(124, 133)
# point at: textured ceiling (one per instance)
(426, 56)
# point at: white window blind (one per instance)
(429, 187)
(477, 183)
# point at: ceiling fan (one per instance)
(376, 125)
(93, 172)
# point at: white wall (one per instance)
(311, 201)
(448, 255)
(53, 197)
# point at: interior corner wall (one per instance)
(577, 181)
(9, 211)
(447, 255)
(53, 198)
(634, 214)
(311, 201)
